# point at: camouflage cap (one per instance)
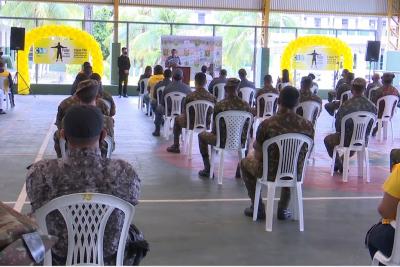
(87, 84)
(232, 82)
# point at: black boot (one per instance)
(261, 211)
(206, 171)
(156, 131)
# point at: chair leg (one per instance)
(221, 167)
(391, 128)
(270, 207)
(333, 160)
(346, 165)
(190, 144)
(360, 163)
(212, 155)
(385, 128)
(366, 155)
(299, 194)
(379, 133)
(256, 200)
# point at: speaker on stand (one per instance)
(17, 43)
(372, 54)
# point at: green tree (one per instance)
(102, 31)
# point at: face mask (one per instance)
(125, 53)
(1, 53)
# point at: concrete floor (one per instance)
(192, 221)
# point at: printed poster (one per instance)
(316, 58)
(194, 51)
(59, 50)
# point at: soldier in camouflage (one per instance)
(374, 85)
(332, 94)
(267, 89)
(231, 102)
(84, 171)
(105, 96)
(357, 103)
(345, 86)
(386, 89)
(307, 95)
(180, 121)
(285, 121)
(62, 109)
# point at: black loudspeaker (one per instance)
(17, 38)
(373, 51)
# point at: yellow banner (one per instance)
(316, 58)
(59, 50)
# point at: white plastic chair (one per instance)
(371, 91)
(142, 90)
(176, 99)
(390, 102)
(268, 111)
(107, 139)
(311, 110)
(361, 120)
(219, 91)
(343, 98)
(200, 108)
(86, 216)
(234, 122)
(289, 146)
(247, 95)
(159, 92)
(394, 259)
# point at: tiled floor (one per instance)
(192, 221)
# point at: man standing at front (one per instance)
(124, 65)
(173, 60)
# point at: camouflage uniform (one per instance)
(108, 97)
(13, 225)
(62, 110)
(354, 104)
(285, 121)
(332, 93)
(207, 138)
(268, 89)
(180, 121)
(84, 171)
(381, 92)
(334, 105)
(372, 85)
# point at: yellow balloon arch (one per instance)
(340, 47)
(36, 34)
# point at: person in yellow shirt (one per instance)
(158, 76)
(6, 87)
(381, 236)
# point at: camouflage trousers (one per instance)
(332, 107)
(205, 139)
(179, 123)
(394, 157)
(252, 169)
(330, 142)
(331, 95)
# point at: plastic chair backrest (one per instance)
(269, 105)
(143, 85)
(371, 91)
(160, 91)
(176, 103)
(86, 216)
(289, 146)
(390, 105)
(234, 122)
(345, 96)
(361, 120)
(247, 94)
(311, 110)
(219, 91)
(200, 108)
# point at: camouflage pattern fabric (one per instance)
(285, 121)
(381, 92)
(107, 96)
(307, 95)
(84, 171)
